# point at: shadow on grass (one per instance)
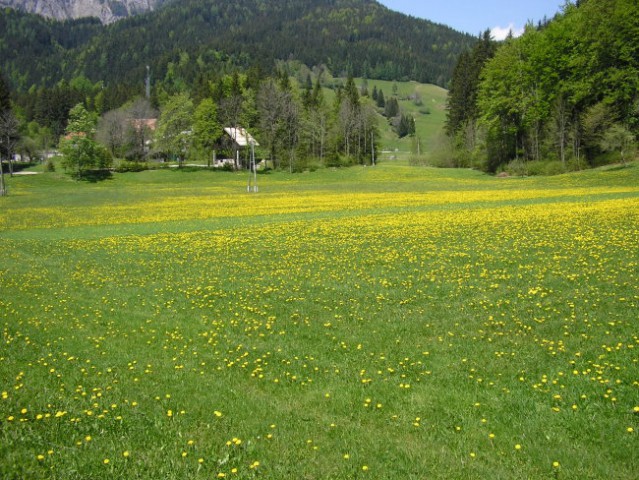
(621, 166)
(189, 169)
(16, 166)
(94, 176)
(214, 170)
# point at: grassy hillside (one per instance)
(387, 322)
(429, 117)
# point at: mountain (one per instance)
(106, 10)
(189, 39)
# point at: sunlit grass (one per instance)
(381, 322)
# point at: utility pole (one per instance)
(148, 82)
(3, 189)
(373, 147)
(252, 181)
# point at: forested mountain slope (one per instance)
(184, 39)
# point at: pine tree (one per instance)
(462, 96)
(381, 101)
(5, 94)
(392, 108)
(351, 93)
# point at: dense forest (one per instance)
(360, 37)
(564, 95)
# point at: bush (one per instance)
(517, 168)
(82, 154)
(544, 167)
(126, 166)
(418, 160)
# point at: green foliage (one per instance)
(124, 166)
(5, 94)
(381, 101)
(462, 107)
(619, 139)
(82, 154)
(406, 126)
(81, 121)
(80, 151)
(555, 91)
(185, 41)
(173, 135)
(392, 108)
(206, 126)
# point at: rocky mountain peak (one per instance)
(107, 11)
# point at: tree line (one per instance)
(299, 122)
(297, 127)
(565, 93)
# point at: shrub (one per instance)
(126, 166)
(82, 153)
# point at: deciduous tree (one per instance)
(206, 127)
(80, 151)
(173, 134)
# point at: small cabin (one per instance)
(242, 140)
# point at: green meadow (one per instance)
(381, 322)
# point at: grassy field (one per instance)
(380, 323)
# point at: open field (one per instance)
(381, 323)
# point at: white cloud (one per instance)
(500, 33)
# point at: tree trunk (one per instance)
(3, 190)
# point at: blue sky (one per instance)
(475, 16)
